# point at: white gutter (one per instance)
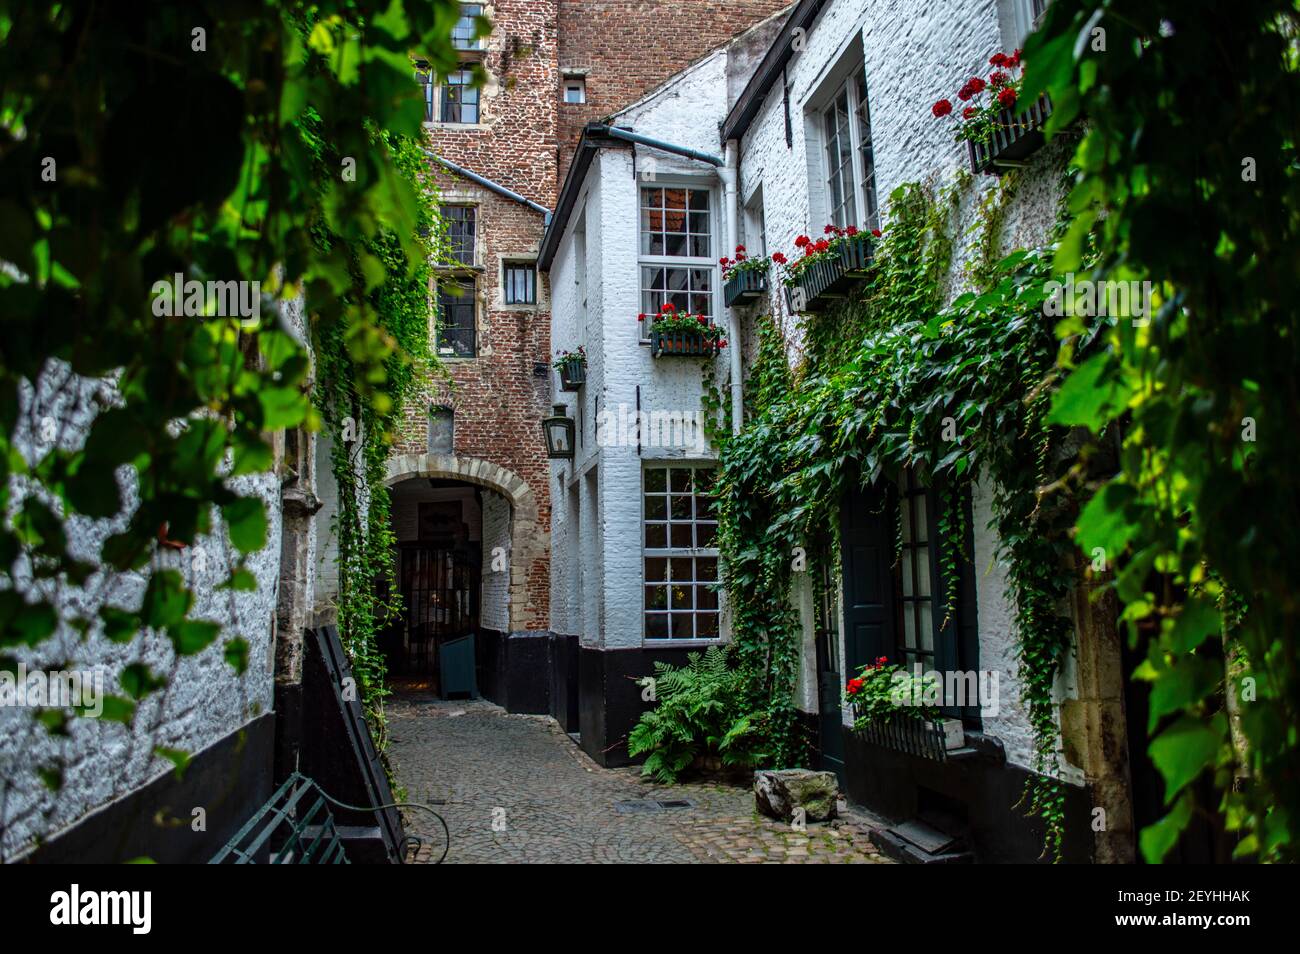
(730, 174)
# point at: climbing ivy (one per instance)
(1188, 177)
(891, 380)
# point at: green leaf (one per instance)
(1109, 520)
(246, 520)
(179, 758)
(166, 600)
(1158, 840)
(1184, 750)
(192, 636)
(115, 709)
(1200, 618)
(236, 654)
(241, 581)
(1088, 397)
(282, 407)
(137, 681)
(119, 625)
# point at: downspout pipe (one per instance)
(487, 183)
(730, 175)
(614, 132)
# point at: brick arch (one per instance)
(526, 538)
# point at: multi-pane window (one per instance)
(520, 279)
(442, 429)
(680, 553)
(841, 196)
(850, 172)
(676, 248)
(918, 605)
(456, 312)
(459, 98)
(460, 232)
(463, 34)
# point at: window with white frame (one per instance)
(848, 161)
(575, 90)
(680, 553)
(454, 100)
(464, 35)
(676, 252)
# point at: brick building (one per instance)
(471, 502)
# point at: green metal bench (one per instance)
(295, 827)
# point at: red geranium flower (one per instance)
(640, 317)
(667, 307)
(1014, 59)
(941, 108)
(854, 687)
(701, 319)
(740, 248)
(724, 260)
(801, 241)
(969, 111)
(1007, 98)
(998, 78)
(778, 258)
(976, 84)
(998, 59)
(722, 343)
(822, 245)
(876, 232)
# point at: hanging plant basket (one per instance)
(920, 737)
(1013, 141)
(829, 279)
(745, 287)
(573, 375)
(682, 344)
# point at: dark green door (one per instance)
(867, 625)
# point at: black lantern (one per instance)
(559, 434)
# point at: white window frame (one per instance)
(477, 42)
(573, 83)
(850, 92)
(707, 262)
(681, 553)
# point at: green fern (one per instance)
(699, 711)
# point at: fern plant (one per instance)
(700, 711)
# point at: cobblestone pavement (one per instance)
(516, 789)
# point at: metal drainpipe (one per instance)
(730, 174)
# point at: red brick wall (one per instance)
(628, 47)
(631, 46)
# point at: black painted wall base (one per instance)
(514, 669)
(609, 699)
(563, 656)
(982, 792)
(229, 780)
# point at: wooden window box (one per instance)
(1016, 138)
(573, 375)
(745, 287)
(681, 344)
(828, 281)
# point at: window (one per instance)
(460, 232)
(677, 263)
(520, 283)
(1019, 19)
(681, 556)
(442, 430)
(917, 599)
(456, 312)
(459, 98)
(850, 169)
(464, 33)
(575, 90)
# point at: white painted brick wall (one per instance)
(495, 610)
(204, 701)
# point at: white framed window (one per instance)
(680, 561)
(455, 100)
(575, 90)
(676, 251)
(519, 283)
(848, 162)
(464, 33)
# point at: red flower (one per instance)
(1007, 98)
(998, 59)
(876, 232)
(640, 317)
(941, 108)
(854, 687)
(778, 258)
(667, 307)
(976, 84)
(822, 245)
(701, 319)
(998, 78)
(722, 343)
(740, 248)
(881, 660)
(969, 111)
(1014, 60)
(724, 260)
(801, 241)
(851, 231)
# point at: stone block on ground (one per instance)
(777, 793)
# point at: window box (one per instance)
(1013, 140)
(573, 374)
(920, 737)
(829, 279)
(745, 287)
(682, 344)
